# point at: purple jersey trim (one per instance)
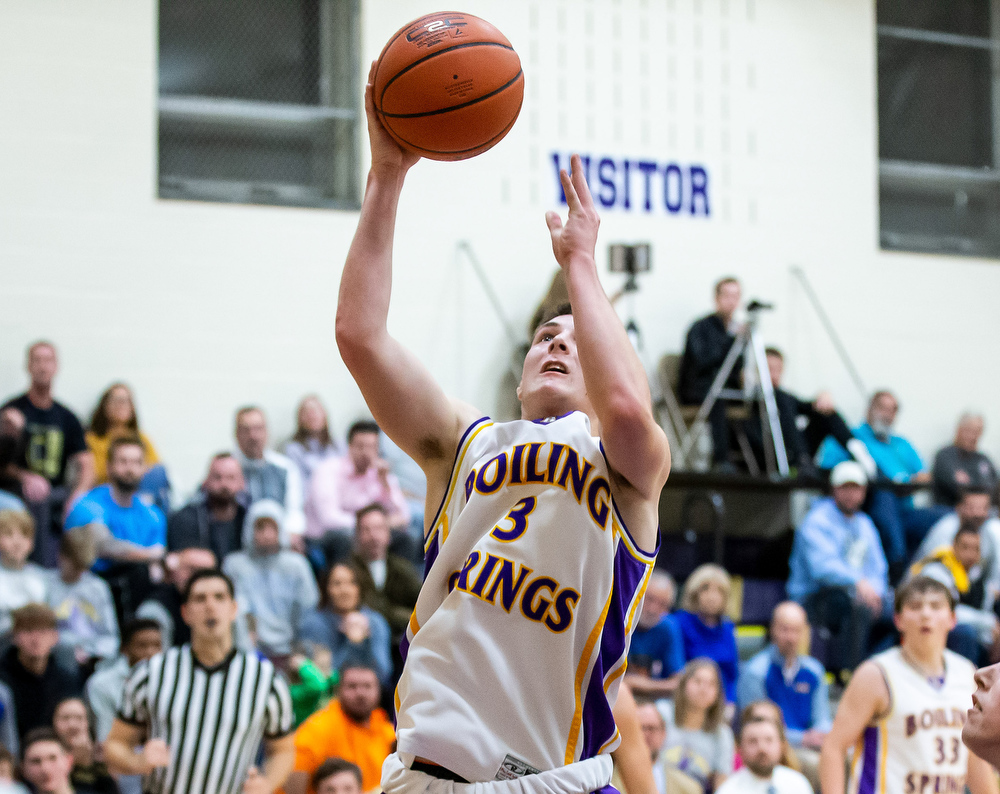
(598, 723)
(869, 768)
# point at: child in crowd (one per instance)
(21, 582)
(82, 601)
(8, 774)
(311, 679)
(699, 741)
(705, 629)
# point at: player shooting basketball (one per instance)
(544, 530)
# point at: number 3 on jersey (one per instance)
(518, 516)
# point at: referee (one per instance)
(200, 711)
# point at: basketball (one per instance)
(448, 86)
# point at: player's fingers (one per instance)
(553, 221)
(569, 190)
(371, 72)
(580, 181)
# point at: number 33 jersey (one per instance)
(518, 641)
(917, 746)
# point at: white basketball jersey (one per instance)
(917, 746)
(518, 641)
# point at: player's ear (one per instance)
(518, 392)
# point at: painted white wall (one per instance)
(204, 307)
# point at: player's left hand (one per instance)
(578, 236)
(256, 783)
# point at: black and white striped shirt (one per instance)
(212, 719)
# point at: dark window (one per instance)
(258, 101)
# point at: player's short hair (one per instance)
(921, 585)
(374, 507)
(551, 313)
(723, 281)
(773, 351)
(17, 521)
(362, 426)
(716, 712)
(124, 441)
(334, 766)
(79, 546)
(132, 627)
(32, 617)
(207, 573)
(42, 734)
(709, 573)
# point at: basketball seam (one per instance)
(428, 57)
(487, 144)
(504, 87)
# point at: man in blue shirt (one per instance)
(794, 681)
(656, 655)
(130, 533)
(838, 570)
(900, 526)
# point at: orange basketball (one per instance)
(448, 86)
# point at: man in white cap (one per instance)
(838, 570)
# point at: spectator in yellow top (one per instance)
(115, 416)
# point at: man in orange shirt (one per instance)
(351, 727)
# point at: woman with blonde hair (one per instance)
(705, 629)
(699, 741)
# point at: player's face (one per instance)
(925, 617)
(210, 609)
(702, 688)
(981, 733)
(47, 766)
(654, 731)
(339, 783)
(760, 747)
(551, 379)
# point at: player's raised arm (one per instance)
(635, 444)
(403, 397)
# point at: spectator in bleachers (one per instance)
(668, 779)
(83, 604)
(8, 772)
(837, 569)
(761, 748)
(342, 486)
(273, 583)
(141, 639)
(336, 776)
(311, 678)
(389, 584)
(47, 763)
(72, 724)
(413, 484)
(312, 443)
(768, 710)
(21, 582)
(704, 627)
(352, 631)
(53, 445)
(901, 527)
(972, 511)
(37, 681)
(214, 518)
(165, 600)
(115, 417)
(961, 465)
(12, 449)
(351, 726)
(269, 474)
(958, 565)
(792, 680)
(820, 418)
(705, 348)
(656, 653)
(699, 741)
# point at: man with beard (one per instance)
(971, 513)
(214, 518)
(130, 534)
(761, 749)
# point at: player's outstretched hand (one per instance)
(387, 155)
(578, 236)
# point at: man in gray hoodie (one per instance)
(273, 583)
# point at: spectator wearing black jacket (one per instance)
(961, 465)
(213, 520)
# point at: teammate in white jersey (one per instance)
(541, 533)
(904, 710)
